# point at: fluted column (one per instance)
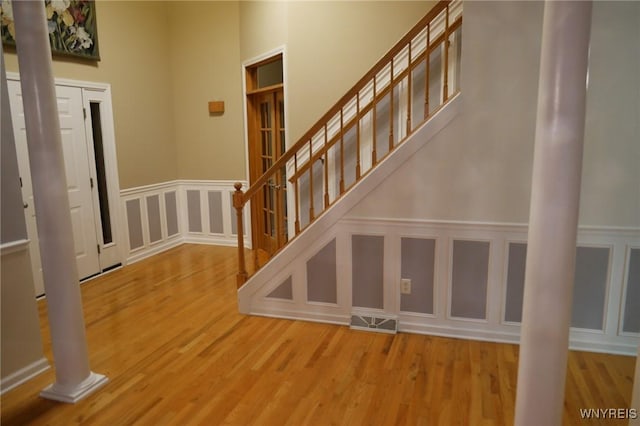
(553, 217)
(74, 379)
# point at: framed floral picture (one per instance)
(72, 27)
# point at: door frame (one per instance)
(101, 93)
(111, 253)
(281, 50)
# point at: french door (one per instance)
(269, 210)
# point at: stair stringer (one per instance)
(291, 261)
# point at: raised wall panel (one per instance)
(134, 221)
(515, 282)
(417, 263)
(193, 211)
(215, 212)
(153, 214)
(477, 286)
(631, 318)
(590, 282)
(283, 291)
(322, 275)
(367, 271)
(469, 275)
(590, 285)
(171, 213)
(171, 210)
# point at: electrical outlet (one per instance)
(405, 286)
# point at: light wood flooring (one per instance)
(167, 333)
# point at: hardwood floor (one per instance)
(167, 333)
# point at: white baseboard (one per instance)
(24, 374)
(144, 253)
(305, 316)
(459, 332)
(605, 348)
(212, 240)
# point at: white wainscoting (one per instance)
(603, 263)
(161, 216)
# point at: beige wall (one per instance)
(332, 45)
(162, 76)
(326, 55)
(205, 67)
(329, 46)
(479, 167)
(166, 60)
(611, 172)
(133, 40)
(264, 26)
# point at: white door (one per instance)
(79, 181)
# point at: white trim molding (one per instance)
(14, 246)
(23, 375)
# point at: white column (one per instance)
(553, 217)
(74, 379)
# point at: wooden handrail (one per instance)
(384, 92)
(397, 48)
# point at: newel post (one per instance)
(238, 202)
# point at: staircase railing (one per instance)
(408, 85)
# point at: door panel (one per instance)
(268, 155)
(270, 209)
(78, 179)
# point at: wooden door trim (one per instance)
(274, 88)
(249, 166)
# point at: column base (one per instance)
(73, 394)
